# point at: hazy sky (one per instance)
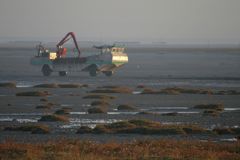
(150, 20)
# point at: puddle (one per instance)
(231, 109)
(167, 123)
(223, 126)
(97, 121)
(122, 113)
(69, 126)
(27, 120)
(136, 92)
(229, 139)
(133, 113)
(165, 108)
(78, 113)
(165, 112)
(76, 123)
(6, 119)
(20, 120)
(23, 85)
(22, 114)
(190, 112)
(66, 105)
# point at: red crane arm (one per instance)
(66, 38)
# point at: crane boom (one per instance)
(67, 37)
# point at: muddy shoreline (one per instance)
(23, 110)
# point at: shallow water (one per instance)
(217, 70)
(192, 68)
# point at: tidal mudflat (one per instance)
(158, 103)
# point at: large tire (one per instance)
(62, 73)
(108, 73)
(46, 70)
(93, 72)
